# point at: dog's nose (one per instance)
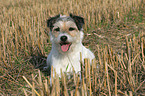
(63, 38)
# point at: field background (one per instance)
(114, 31)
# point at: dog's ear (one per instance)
(78, 20)
(51, 21)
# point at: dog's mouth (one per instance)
(65, 46)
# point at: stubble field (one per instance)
(114, 31)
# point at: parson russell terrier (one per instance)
(66, 35)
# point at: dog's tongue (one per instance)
(65, 47)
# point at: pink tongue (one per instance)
(65, 47)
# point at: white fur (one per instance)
(71, 59)
(66, 61)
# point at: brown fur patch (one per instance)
(64, 27)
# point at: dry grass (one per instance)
(24, 42)
(116, 74)
(111, 75)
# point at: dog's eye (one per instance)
(71, 29)
(57, 29)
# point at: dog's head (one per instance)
(66, 31)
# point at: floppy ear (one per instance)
(78, 20)
(51, 21)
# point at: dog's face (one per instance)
(65, 31)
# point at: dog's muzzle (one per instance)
(65, 45)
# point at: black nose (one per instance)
(63, 38)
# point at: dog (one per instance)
(66, 35)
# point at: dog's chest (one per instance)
(66, 63)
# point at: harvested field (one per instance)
(114, 31)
